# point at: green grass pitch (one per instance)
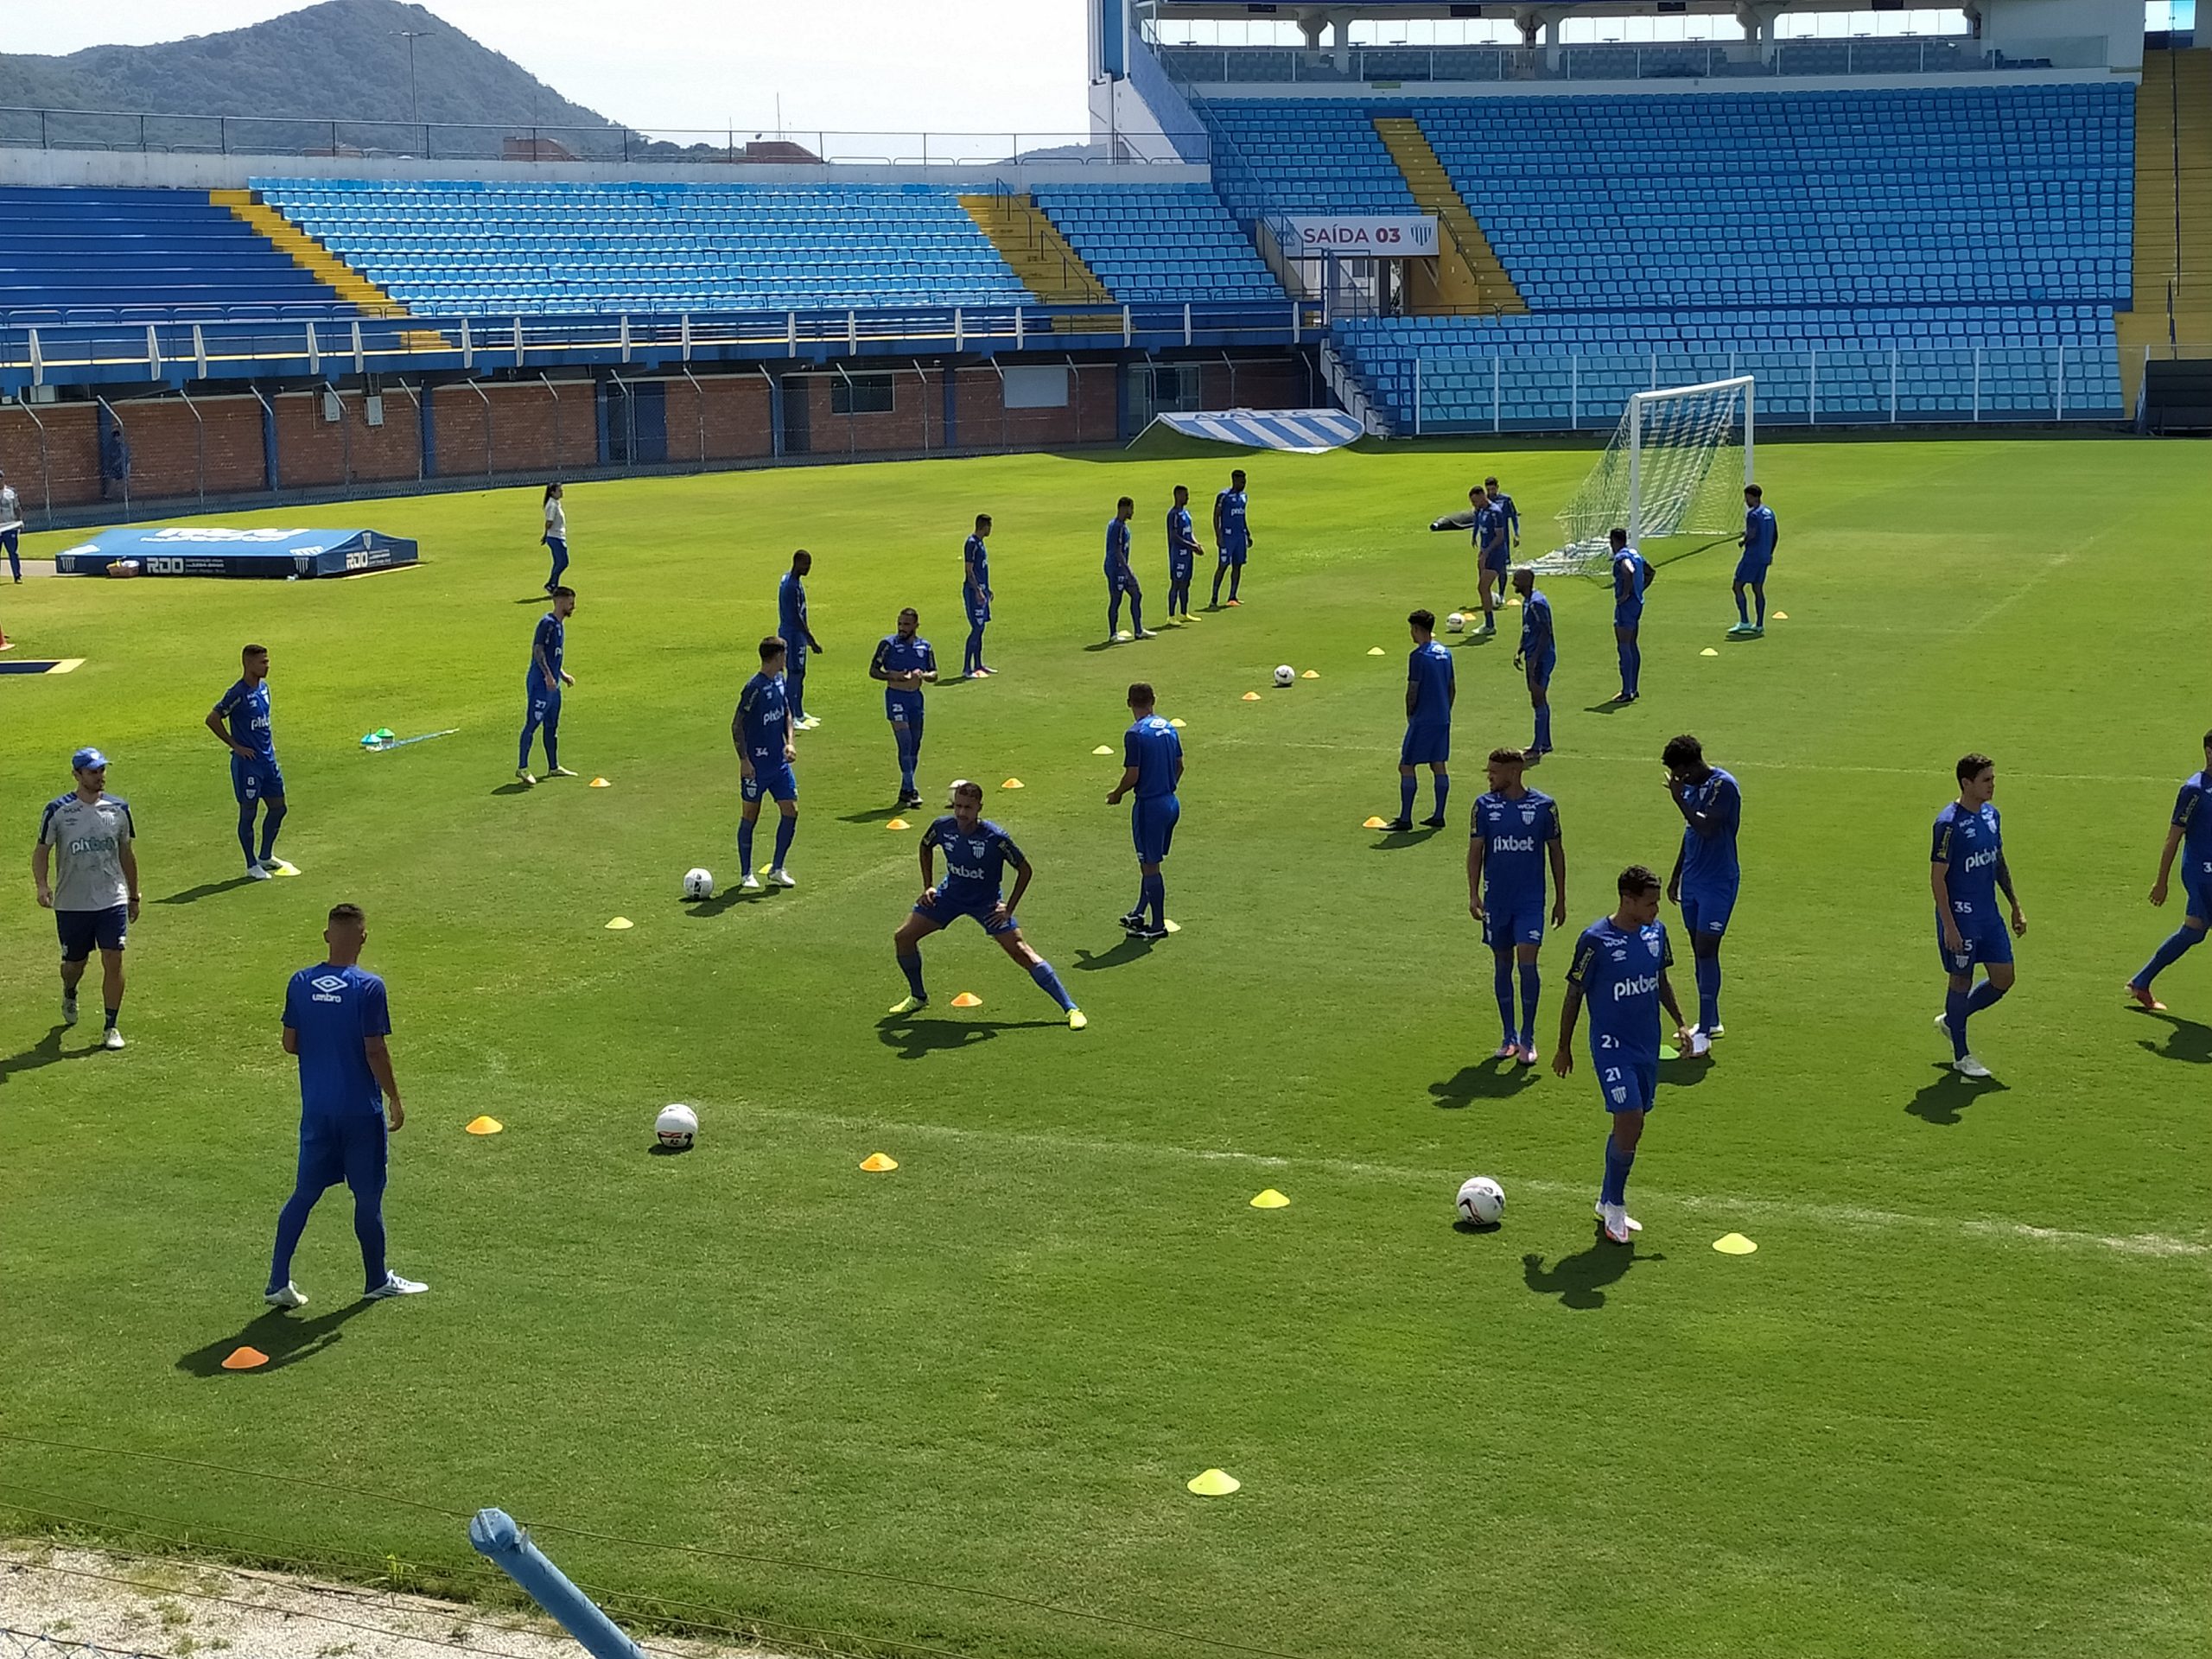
(1954, 1406)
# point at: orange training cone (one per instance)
(244, 1359)
(967, 1000)
(879, 1163)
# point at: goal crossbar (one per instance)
(1666, 471)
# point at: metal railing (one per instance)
(157, 133)
(1659, 61)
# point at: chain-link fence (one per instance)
(40, 1644)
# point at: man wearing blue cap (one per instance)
(86, 837)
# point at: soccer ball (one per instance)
(952, 790)
(698, 884)
(1284, 674)
(1482, 1201)
(675, 1126)
(1455, 623)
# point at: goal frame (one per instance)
(1639, 401)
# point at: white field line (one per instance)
(1852, 1218)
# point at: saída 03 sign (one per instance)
(1365, 236)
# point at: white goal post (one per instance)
(1670, 470)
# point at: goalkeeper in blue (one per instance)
(1620, 969)
(1966, 869)
(1431, 690)
(1537, 658)
(977, 853)
(1707, 874)
(2189, 834)
(1760, 536)
(1513, 836)
(1632, 578)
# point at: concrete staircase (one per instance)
(1033, 245)
(309, 254)
(2172, 316)
(1469, 276)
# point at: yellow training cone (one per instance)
(618, 924)
(244, 1359)
(1171, 926)
(897, 824)
(1269, 1199)
(1103, 748)
(1374, 651)
(1309, 674)
(601, 783)
(1734, 1245)
(1708, 651)
(1215, 1483)
(1376, 824)
(878, 1163)
(1176, 724)
(1782, 616)
(967, 1000)
(483, 1126)
(1512, 600)
(1014, 783)
(1251, 696)
(282, 868)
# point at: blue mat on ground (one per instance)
(1308, 430)
(208, 551)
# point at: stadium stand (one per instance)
(70, 252)
(1160, 242)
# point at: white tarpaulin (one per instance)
(1308, 431)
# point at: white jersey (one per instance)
(557, 520)
(11, 510)
(88, 838)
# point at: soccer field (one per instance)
(1953, 1406)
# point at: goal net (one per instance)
(1677, 466)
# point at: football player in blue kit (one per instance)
(761, 729)
(1537, 658)
(1152, 771)
(976, 596)
(542, 685)
(1232, 538)
(1430, 691)
(1760, 538)
(1708, 875)
(1121, 576)
(905, 663)
(977, 853)
(1183, 550)
(1632, 578)
(2190, 833)
(1967, 868)
(1620, 969)
(241, 719)
(1513, 836)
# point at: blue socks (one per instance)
(1618, 1164)
(1743, 615)
(1136, 613)
(1443, 789)
(910, 754)
(1635, 675)
(1762, 604)
(1114, 613)
(1543, 726)
(245, 840)
(1984, 995)
(272, 820)
(1154, 898)
(1408, 786)
(972, 659)
(2183, 941)
(1532, 984)
(745, 845)
(1628, 673)
(1047, 981)
(292, 1221)
(786, 827)
(1956, 1007)
(911, 966)
(1707, 972)
(1503, 982)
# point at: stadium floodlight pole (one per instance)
(414, 99)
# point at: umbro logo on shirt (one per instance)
(328, 982)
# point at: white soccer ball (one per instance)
(698, 884)
(1455, 623)
(675, 1126)
(1482, 1201)
(1285, 674)
(952, 790)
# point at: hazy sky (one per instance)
(866, 66)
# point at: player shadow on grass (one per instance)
(206, 890)
(285, 1338)
(875, 815)
(1486, 1080)
(707, 909)
(1579, 1280)
(512, 786)
(47, 1050)
(1129, 950)
(1944, 1103)
(1395, 840)
(916, 1039)
(2188, 1041)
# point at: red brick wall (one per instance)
(530, 433)
(735, 425)
(70, 468)
(314, 452)
(1088, 418)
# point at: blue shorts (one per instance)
(1985, 943)
(80, 930)
(256, 780)
(1629, 615)
(1124, 583)
(1511, 920)
(1152, 825)
(1753, 572)
(778, 782)
(907, 717)
(1627, 1085)
(979, 615)
(1498, 562)
(545, 706)
(350, 1147)
(2198, 890)
(1231, 554)
(1425, 745)
(1706, 914)
(1181, 569)
(1539, 669)
(938, 909)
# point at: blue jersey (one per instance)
(246, 708)
(975, 861)
(1489, 536)
(1181, 543)
(975, 560)
(1117, 547)
(1631, 576)
(1709, 862)
(1156, 749)
(1230, 526)
(550, 642)
(897, 655)
(1760, 533)
(791, 610)
(2193, 812)
(1617, 973)
(336, 1010)
(1428, 671)
(1507, 513)
(764, 713)
(1515, 834)
(1971, 846)
(1535, 626)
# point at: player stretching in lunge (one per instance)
(1120, 577)
(1183, 550)
(1620, 969)
(2190, 830)
(1761, 534)
(1232, 538)
(976, 596)
(543, 686)
(1430, 691)
(977, 853)
(905, 663)
(761, 729)
(1514, 832)
(1537, 658)
(1152, 767)
(255, 778)
(1968, 867)
(1707, 874)
(1632, 577)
